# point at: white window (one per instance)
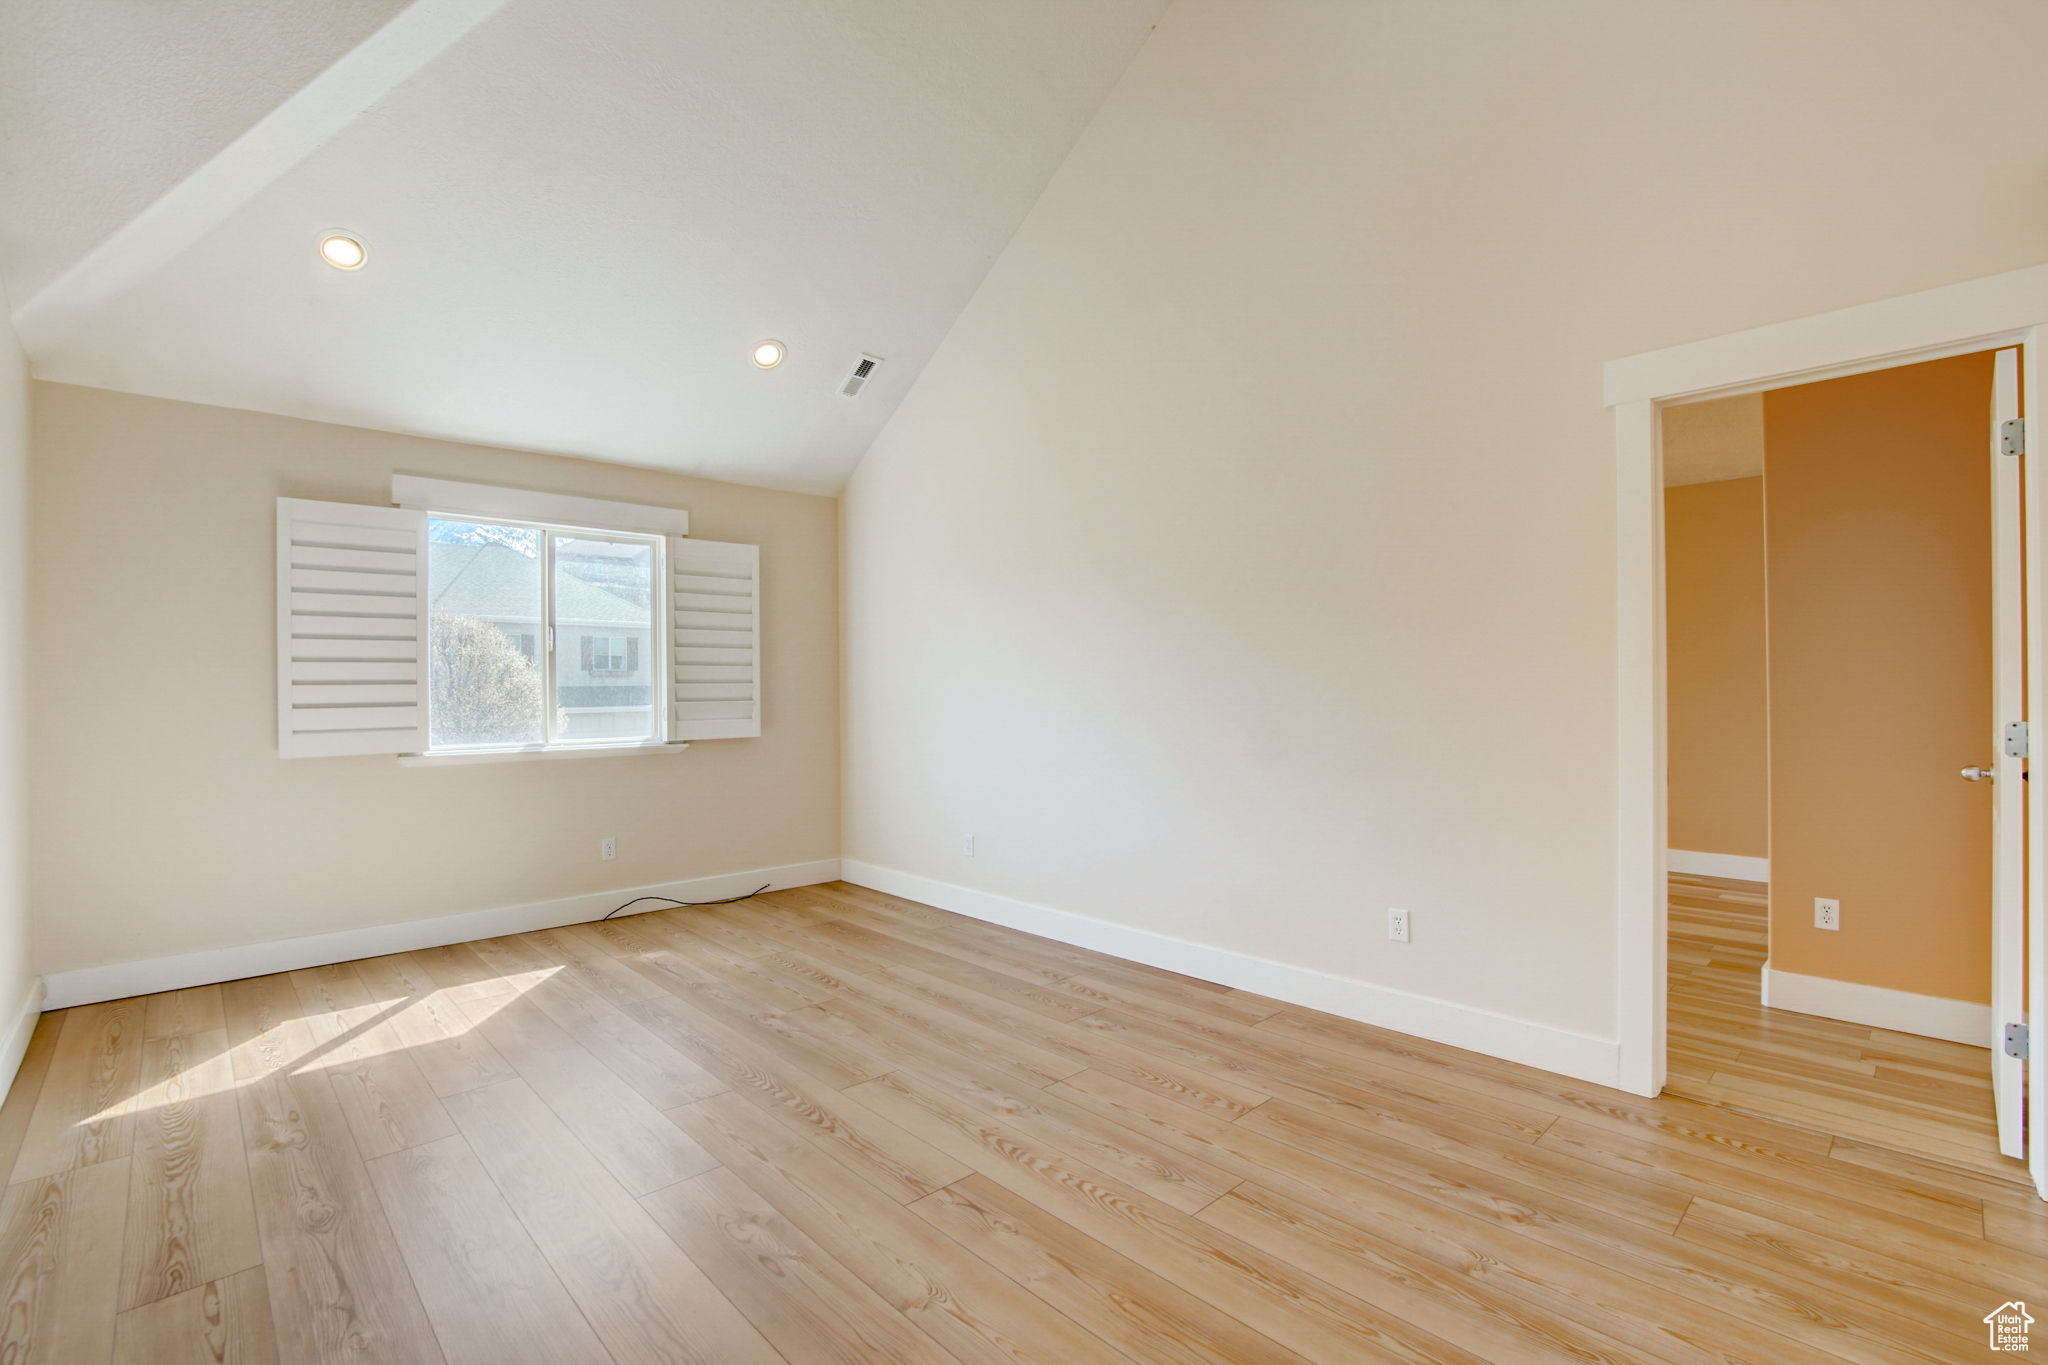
(478, 620)
(609, 653)
(491, 586)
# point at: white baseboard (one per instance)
(15, 1045)
(117, 980)
(1732, 865)
(1578, 1055)
(1930, 1016)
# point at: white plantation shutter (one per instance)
(351, 629)
(715, 632)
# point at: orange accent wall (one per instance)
(1714, 632)
(1878, 531)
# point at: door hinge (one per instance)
(2012, 436)
(2016, 1041)
(2016, 739)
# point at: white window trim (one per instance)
(446, 497)
(450, 757)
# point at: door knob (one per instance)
(1977, 774)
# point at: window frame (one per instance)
(660, 684)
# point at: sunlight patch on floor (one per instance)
(369, 1033)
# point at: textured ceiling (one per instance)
(580, 216)
(106, 104)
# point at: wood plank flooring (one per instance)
(1897, 1090)
(833, 1126)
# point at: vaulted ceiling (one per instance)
(580, 214)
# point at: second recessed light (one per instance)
(343, 251)
(769, 354)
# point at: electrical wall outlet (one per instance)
(607, 848)
(1827, 913)
(1397, 925)
(967, 845)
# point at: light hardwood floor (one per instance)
(1897, 1090)
(833, 1126)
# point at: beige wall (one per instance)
(1718, 715)
(1878, 501)
(17, 957)
(1243, 563)
(163, 820)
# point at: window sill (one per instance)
(527, 755)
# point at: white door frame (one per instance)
(1978, 315)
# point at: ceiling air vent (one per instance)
(863, 371)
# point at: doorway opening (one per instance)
(2005, 313)
(1838, 555)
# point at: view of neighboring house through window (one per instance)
(497, 593)
(604, 618)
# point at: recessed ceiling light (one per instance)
(342, 251)
(768, 354)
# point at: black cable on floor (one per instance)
(689, 904)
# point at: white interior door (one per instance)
(2033, 367)
(2009, 763)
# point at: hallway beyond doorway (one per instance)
(1898, 1090)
